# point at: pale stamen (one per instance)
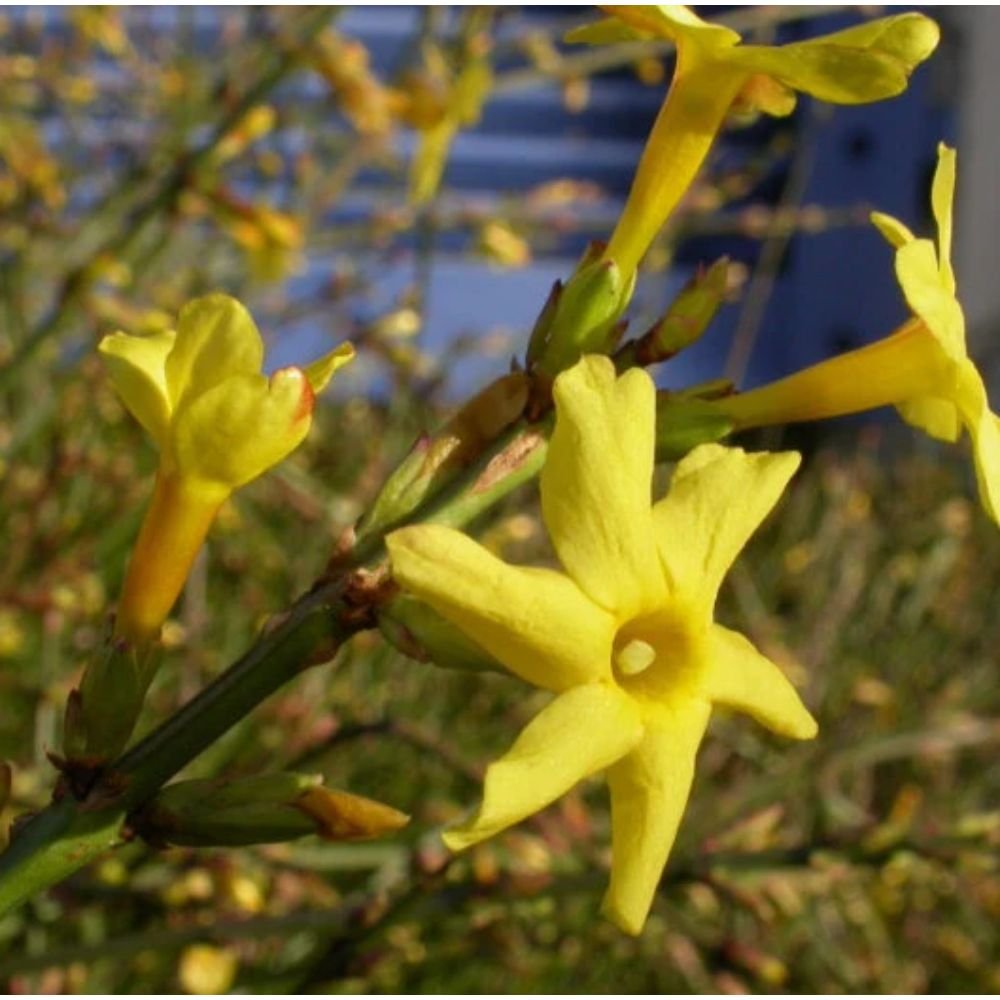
(634, 657)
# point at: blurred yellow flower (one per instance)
(12, 633)
(218, 423)
(204, 970)
(625, 638)
(461, 106)
(715, 73)
(923, 368)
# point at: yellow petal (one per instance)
(739, 677)
(986, 451)
(137, 369)
(942, 197)
(322, 369)
(596, 485)
(241, 427)
(672, 21)
(866, 63)
(536, 622)
(470, 91)
(861, 64)
(892, 229)
(430, 159)
(766, 94)
(909, 364)
(581, 732)
(649, 790)
(935, 416)
(718, 497)
(984, 429)
(216, 338)
(919, 277)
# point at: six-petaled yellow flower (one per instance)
(923, 368)
(625, 637)
(218, 423)
(715, 72)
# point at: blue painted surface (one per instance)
(836, 288)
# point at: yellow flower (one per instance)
(923, 368)
(714, 72)
(958, 398)
(625, 637)
(461, 106)
(218, 423)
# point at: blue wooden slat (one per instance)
(836, 288)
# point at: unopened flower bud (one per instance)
(263, 809)
(343, 816)
(582, 316)
(205, 970)
(435, 461)
(688, 316)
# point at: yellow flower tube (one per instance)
(714, 71)
(172, 533)
(923, 368)
(904, 365)
(218, 423)
(624, 637)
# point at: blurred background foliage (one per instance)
(141, 165)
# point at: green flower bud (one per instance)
(262, 809)
(583, 316)
(688, 316)
(434, 461)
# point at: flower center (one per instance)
(656, 654)
(634, 657)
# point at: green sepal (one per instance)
(418, 631)
(217, 813)
(102, 713)
(683, 423)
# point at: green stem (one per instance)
(313, 626)
(517, 458)
(51, 846)
(70, 834)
